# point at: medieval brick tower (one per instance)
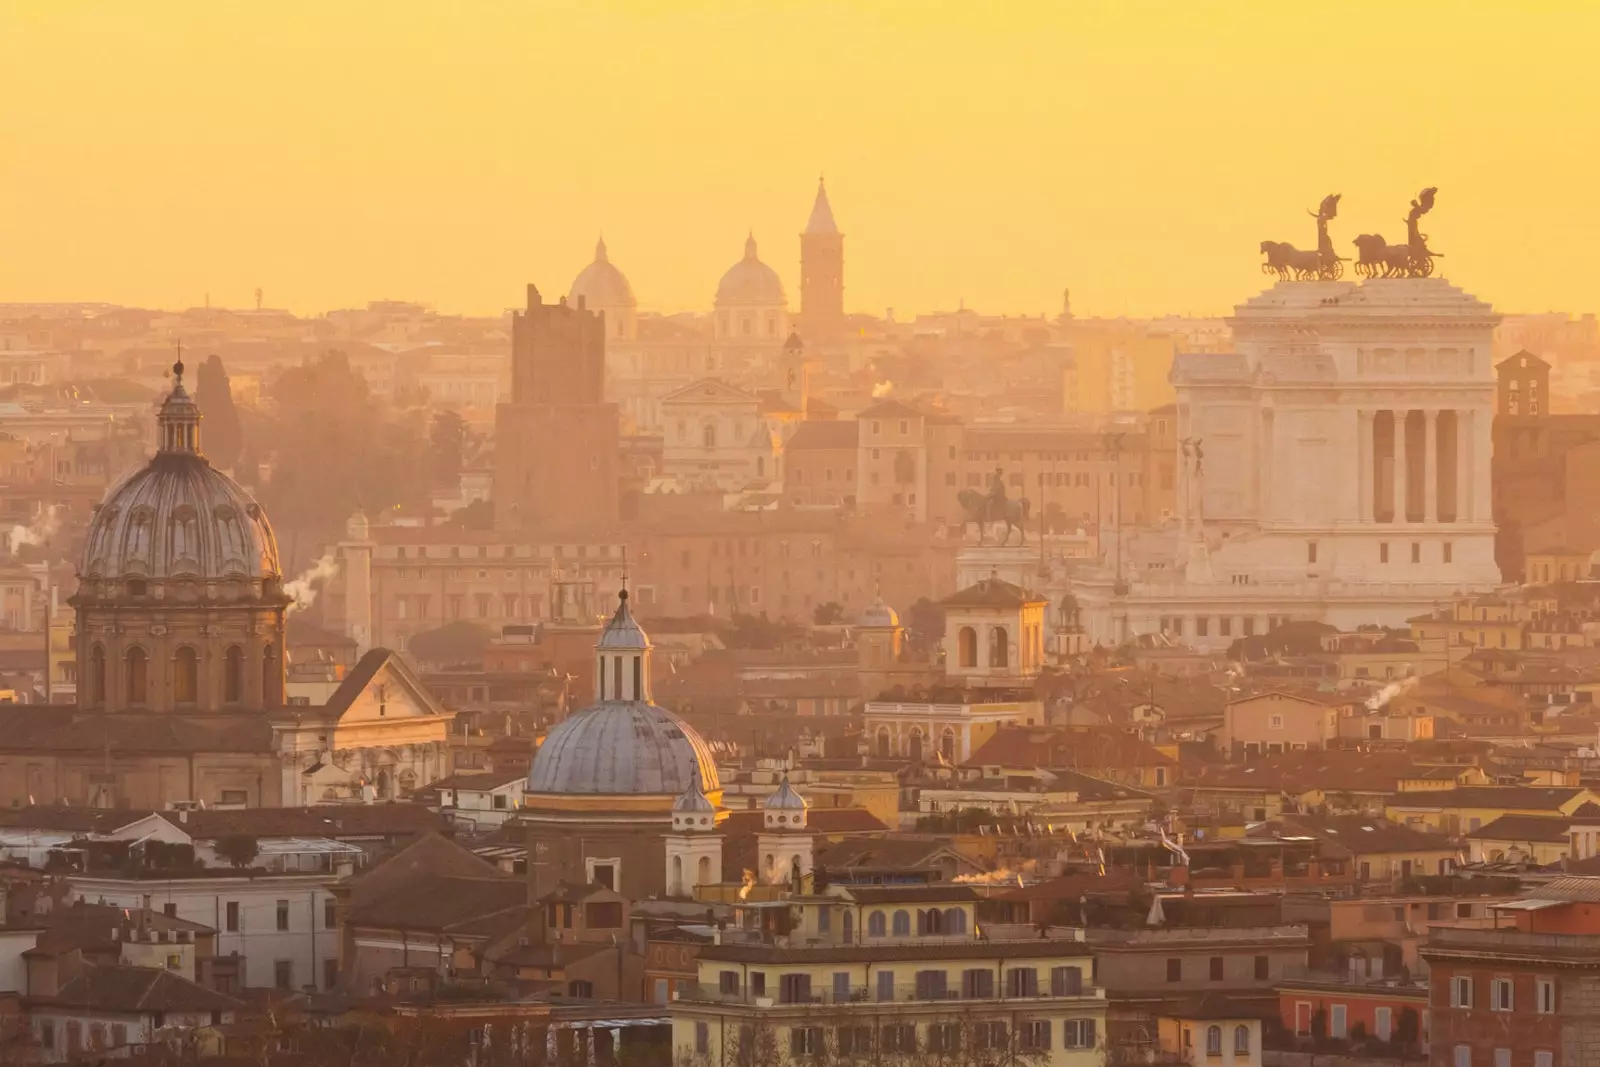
(821, 274)
(556, 441)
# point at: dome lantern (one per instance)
(179, 421)
(622, 658)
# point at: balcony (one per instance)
(862, 996)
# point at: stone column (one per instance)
(1482, 449)
(1401, 466)
(1466, 449)
(1430, 466)
(1364, 452)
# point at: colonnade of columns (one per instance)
(1425, 465)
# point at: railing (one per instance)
(778, 996)
(1322, 976)
(1514, 941)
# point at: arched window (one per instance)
(1241, 1040)
(676, 888)
(233, 674)
(703, 873)
(772, 865)
(999, 649)
(967, 653)
(271, 678)
(902, 924)
(138, 676)
(1213, 1041)
(383, 785)
(947, 745)
(914, 744)
(930, 921)
(186, 676)
(885, 743)
(955, 921)
(97, 676)
(849, 928)
(875, 924)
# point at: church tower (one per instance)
(694, 847)
(784, 844)
(821, 274)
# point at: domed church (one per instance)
(180, 645)
(605, 784)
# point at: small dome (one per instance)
(879, 616)
(694, 800)
(786, 799)
(178, 516)
(601, 284)
(622, 634)
(751, 281)
(622, 747)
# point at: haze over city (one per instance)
(688, 534)
(335, 153)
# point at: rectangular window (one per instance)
(1544, 1059)
(899, 1038)
(1337, 1024)
(977, 984)
(1216, 968)
(854, 1040)
(944, 1037)
(1416, 552)
(231, 922)
(283, 974)
(1449, 552)
(1225, 626)
(283, 915)
(1066, 981)
(805, 1040)
(1036, 1035)
(841, 986)
(1202, 625)
(728, 983)
(170, 910)
(1544, 996)
(1022, 982)
(1460, 992)
(1500, 994)
(1263, 970)
(1175, 970)
(758, 983)
(1249, 626)
(702, 1038)
(1502, 1057)
(330, 973)
(1311, 551)
(885, 985)
(1078, 1033)
(794, 989)
(1383, 552)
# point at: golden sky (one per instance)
(336, 151)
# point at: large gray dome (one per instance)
(601, 284)
(622, 747)
(751, 282)
(179, 517)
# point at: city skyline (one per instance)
(331, 158)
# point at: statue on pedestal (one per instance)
(995, 506)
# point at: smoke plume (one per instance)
(304, 587)
(35, 533)
(882, 389)
(1380, 699)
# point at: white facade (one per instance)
(268, 920)
(1337, 467)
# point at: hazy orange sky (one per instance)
(336, 151)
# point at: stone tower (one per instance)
(556, 441)
(821, 274)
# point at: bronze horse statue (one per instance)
(981, 509)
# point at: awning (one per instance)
(1527, 905)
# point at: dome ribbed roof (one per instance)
(751, 281)
(879, 616)
(178, 516)
(622, 633)
(786, 799)
(622, 747)
(601, 284)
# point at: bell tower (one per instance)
(821, 274)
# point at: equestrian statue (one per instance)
(1286, 262)
(994, 506)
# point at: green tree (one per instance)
(924, 623)
(240, 850)
(222, 435)
(828, 614)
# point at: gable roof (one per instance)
(1537, 798)
(711, 389)
(125, 989)
(368, 668)
(330, 820)
(992, 592)
(1543, 829)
